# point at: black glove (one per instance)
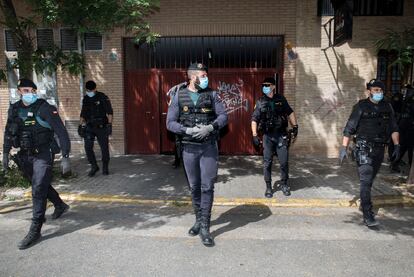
(5, 161)
(342, 154)
(396, 153)
(256, 141)
(294, 131)
(82, 130)
(109, 129)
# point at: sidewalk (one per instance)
(315, 182)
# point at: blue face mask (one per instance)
(203, 82)
(29, 98)
(377, 96)
(266, 90)
(90, 93)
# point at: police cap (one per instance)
(198, 67)
(90, 85)
(269, 80)
(26, 83)
(375, 83)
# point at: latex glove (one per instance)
(294, 131)
(204, 131)
(396, 153)
(5, 161)
(256, 141)
(82, 130)
(109, 129)
(65, 166)
(192, 131)
(342, 154)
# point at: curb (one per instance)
(397, 200)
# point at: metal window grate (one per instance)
(93, 41)
(44, 38)
(215, 52)
(325, 8)
(378, 7)
(10, 45)
(68, 39)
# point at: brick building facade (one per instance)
(321, 85)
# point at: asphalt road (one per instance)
(119, 240)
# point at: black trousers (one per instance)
(38, 168)
(102, 136)
(367, 173)
(278, 145)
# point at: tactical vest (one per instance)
(96, 110)
(271, 117)
(201, 113)
(29, 131)
(407, 112)
(374, 125)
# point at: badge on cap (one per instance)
(200, 66)
(185, 108)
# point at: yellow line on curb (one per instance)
(290, 202)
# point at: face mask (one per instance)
(377, 97)
(266, 90)
(202, 83)
(90, 93)
(29, 98)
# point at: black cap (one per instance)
(269, 80)
(26, 83)
(90, 85)
(198, 67)
(375, 83)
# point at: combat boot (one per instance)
(269, 191)
(284, 187)
(195, 230)
(105, 170)
(94, 169)
(205, 235)
(369, 219)
(32, 237)
(59, 210)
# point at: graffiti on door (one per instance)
(232, 96)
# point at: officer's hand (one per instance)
(396, 153)
(82, 130)
(109, 129)
(65, 166)
(256, 141)
(204, 131)
(342, 154)
(294, 131)
(191, 131)
(5, 161)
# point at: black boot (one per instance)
(205, 235)
(195, 230)
(269, 191)
(369, 218)
(105, 170)
(32, 237)
(59, 210)
(285, 188)
(94, 169)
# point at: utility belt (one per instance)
(31, 145)
(100, 122)
(363, 149)
(406, 115)
(272, 124)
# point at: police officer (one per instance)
(197, 114)
(372, 121)
(406, 126)
(271, 116)
(31, 125)
(96, 121)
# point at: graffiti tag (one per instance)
(232, 96)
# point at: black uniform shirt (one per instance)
(98, 106)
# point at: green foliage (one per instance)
(13, 177)
(402, 43)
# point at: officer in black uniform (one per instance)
(197, 114)
(372, 121)
(271, 116)
(31, 125)
(96, 121)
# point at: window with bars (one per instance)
(68, 39)
(366, 7)
(390, 75)
(215, 52)
(93, 41)
(10, 45)
(44, 38)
